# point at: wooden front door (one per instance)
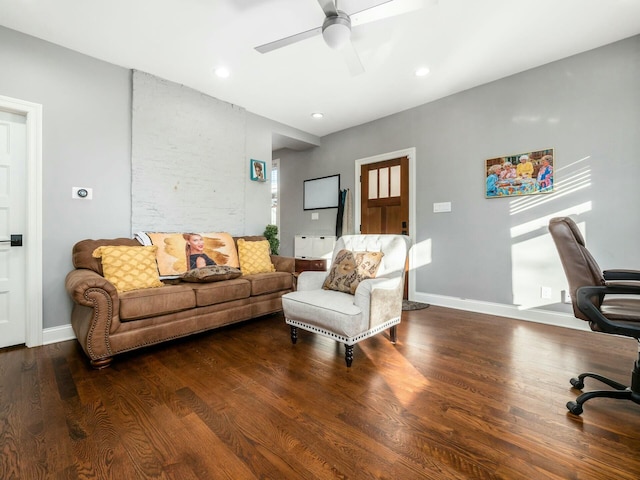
(384, 197)
(384, 200)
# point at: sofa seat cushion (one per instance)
(220, 292)
(270, 282)
(149, 302)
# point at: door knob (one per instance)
(16, 241)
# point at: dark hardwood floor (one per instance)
(460, 396)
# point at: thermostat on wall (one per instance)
(81, 193)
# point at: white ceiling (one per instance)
(464, 43)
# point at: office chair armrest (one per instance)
(620, 274)
(586, 306)
(622, 283)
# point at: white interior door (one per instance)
(13, 148)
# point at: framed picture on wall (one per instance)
(258, 170)
(525, 173)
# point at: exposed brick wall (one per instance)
(188, 159)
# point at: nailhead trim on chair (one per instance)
(341, 338)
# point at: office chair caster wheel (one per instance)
(577, 383)
(574, 408)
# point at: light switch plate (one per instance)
(441, 207)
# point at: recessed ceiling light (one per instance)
(317, 115)
(222, 72)
(422, 71)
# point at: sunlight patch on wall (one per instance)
(420, 254)
(535, 263)
(534, 259)
(542, 222)
(577, 180)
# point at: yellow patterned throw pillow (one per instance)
(350, 268)
(254, 257)
(129, 268)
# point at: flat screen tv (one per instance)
(323, 192)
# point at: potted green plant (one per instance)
(271, 234)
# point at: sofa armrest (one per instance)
(79, 281)
(95, 314)
(283, 264)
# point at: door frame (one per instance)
(33, 232)
(410, 153)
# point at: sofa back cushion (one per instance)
(179, 252)
(82, 252)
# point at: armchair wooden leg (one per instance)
(348, 354)
(393, 333)
(294, 334)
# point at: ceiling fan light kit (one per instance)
(336, 30)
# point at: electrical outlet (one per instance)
(566, 296)
(546, 292)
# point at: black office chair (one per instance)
(609, 301)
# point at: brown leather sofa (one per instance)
(107, 322)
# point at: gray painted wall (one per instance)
(86, 142)
(87, 109)
(258, 194)
(586, 107)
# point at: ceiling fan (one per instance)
(336, 28)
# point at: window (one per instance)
(274, 191)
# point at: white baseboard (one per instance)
(547, 317)
(58, 334)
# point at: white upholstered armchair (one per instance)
(351, 306)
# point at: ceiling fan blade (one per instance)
(283, 42)
(328, 7)
(387, 9)
(352, 59)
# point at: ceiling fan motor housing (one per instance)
(336, 30)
